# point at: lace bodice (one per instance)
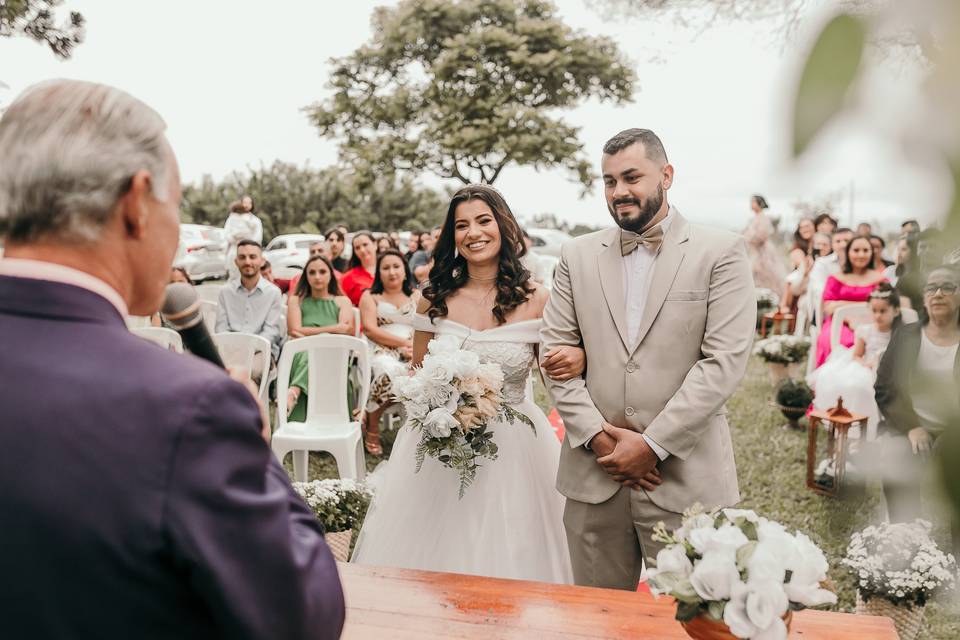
(511, 346)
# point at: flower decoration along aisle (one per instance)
(782, 348)
(733, 571)
(451, 399)
(898, 568)
(340, 505)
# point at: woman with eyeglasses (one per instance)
(918, 386)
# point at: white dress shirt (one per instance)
(257, 311)
(637, 276)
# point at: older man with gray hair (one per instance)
(139, 497)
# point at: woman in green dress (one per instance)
(316, 307)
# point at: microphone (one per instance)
(181, 309)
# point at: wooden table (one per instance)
(385, 603)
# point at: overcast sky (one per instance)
(231, 76)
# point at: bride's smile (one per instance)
(476, 234)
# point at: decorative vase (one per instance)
(704, 627)
(778, 372)
(793, 415)
(907, 619)
(339, 543)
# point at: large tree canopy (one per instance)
(292, 199)
(35, 19)
(464, 88)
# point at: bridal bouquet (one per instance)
(783, 349)
(900, 563)
(736, 568)
(450, 399)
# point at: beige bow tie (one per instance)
(651, 238)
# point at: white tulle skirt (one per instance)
(842, 376)
(509, 523)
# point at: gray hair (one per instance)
(69, 150)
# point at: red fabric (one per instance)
(836, 290)
(355, 282)
(557, 423)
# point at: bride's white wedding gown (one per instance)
(509, 523)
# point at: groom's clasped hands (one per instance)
(626, 456)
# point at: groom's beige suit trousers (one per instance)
(671, 383)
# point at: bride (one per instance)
(509, 523)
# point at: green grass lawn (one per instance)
(771, 468)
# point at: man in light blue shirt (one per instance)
(251, 304)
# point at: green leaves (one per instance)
(827, 76)
(465, 88)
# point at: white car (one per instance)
(202, 251)
(290, 250)
(547, 242)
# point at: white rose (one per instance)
(673, 559)
(766, 564)
(755, 610)
(439, 423)
(733, 514)
(727, 538)
(444, 345)
(699, 521)
(466, 363)
(808, 567)
(491, 376)
(437, 370)
(471, 385)
(416, 410)
(783, 544)
(714, 575)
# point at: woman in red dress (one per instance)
(854, 284)
(363, 263)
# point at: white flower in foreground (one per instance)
(807, 572)
(437, 370)
(749, 515)
(416, 411)
(439, 423)
(714, 575)
(444, 345)
(755, 610)
(766, 564)
(727, 538)
(466, 364)
(673, 559)
(491, 375)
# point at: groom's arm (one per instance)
(581, 418)
(727, 339)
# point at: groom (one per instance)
(666, 312)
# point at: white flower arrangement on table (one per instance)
(734, 566)
(767, 299)
(783, 349)
(338, 504)
(450, 399)
(899, 562)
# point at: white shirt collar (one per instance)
(51, 272)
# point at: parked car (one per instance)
(202, 251)
(290, 250)
(547, 242)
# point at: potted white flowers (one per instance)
(735, 574)
(783, 355)
(898, 569)
(340, 505)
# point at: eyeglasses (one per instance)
(948, 288)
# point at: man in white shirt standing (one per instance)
(666, 312)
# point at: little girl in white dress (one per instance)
(851, 373)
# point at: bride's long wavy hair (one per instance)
(449, 271)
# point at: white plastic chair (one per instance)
(328, 425)
(852, 314)
(248, 351)
(209, 312)
(166, 338)
(356, 322)
(909, 316)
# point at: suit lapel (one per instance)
(664, 272)
(610, 264)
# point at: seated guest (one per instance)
(909, 226)
(386, 315)
(906, 247)
(251, 304)
(384, 243)
(413, 245)
(319, 248)
(826, 266)
(363, 263)
(266, 270)
(918, 386)
(139, 499)
(864, 229)
(315, 308)
(851, 373)
(825, 223)
(854, 284)
(335, 239)
(419, 261)
(801, 261)
(177, 274)
(879, 246)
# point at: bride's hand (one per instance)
(564, 363)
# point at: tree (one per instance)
(35, 19)
(464, 88)
(291, 199)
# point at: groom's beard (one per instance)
(648, 209)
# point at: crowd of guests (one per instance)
(903, 374)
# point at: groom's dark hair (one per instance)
(650, 141)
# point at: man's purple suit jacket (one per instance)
(137, 497)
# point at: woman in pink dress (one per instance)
(768, 269)
(854, 284)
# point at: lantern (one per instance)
(778, 322)
(837, 422)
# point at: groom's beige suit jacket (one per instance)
(694, 340)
